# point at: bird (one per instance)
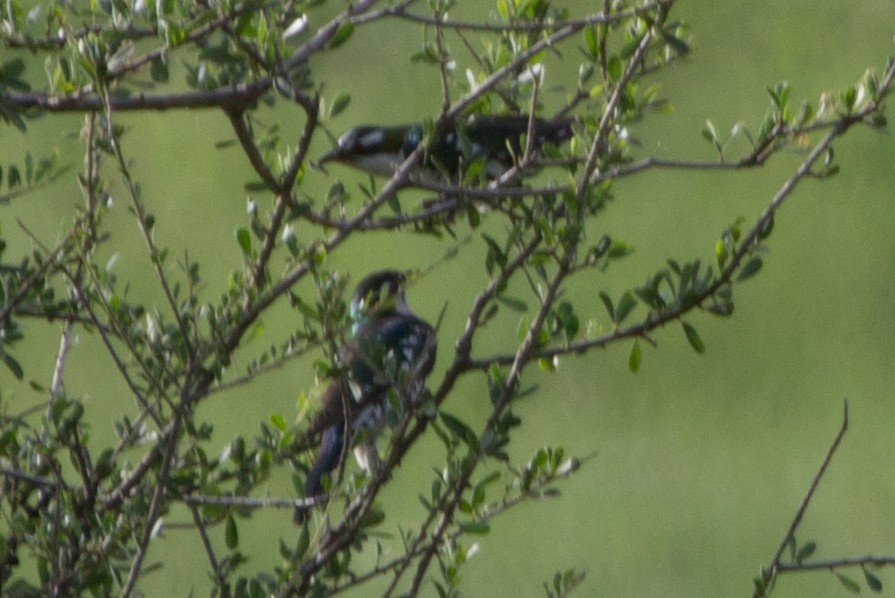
(379, 150)
(389, 355)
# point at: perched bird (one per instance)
(496, 139)
(391, 351)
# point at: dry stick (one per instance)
(770, 572)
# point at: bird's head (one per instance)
(378, 294)
(374, 149)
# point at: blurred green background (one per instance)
(701, 460)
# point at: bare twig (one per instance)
(831, 564)
(249, 502)
(770, 572)
(220, 578)
(31, 479)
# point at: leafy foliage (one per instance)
(79, 518)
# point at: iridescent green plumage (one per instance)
(391, 351)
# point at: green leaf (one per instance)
(585, 72)
(495, 253)
(304, 540)
(342, 34)
(13, 366)
(625, 306)
(850, 584)
(607, 302)
(767, 227)
(711, 134)
(256, 186)
(591, 38)
(458, 428)
(244, 238)
(767, 125)
(472, 527)
(231, 534)
(750, 269)
(340, 102)
(873, 581)
(693, 338)
(278, 421)
(721, 253)
(616, 67)
(373, 518)
(848, 98)
(805, 551)
(14, 177)
(779, 94)
(503, 9)
(635, 357)
(679, 45)
(158, 70)
(517, 305)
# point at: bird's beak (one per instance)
(327, 157)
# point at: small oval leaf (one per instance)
(750, 269)
(693, 338)
(635, 357)
(873, 582)
(340, 102)
(231, 534)
(244, 238)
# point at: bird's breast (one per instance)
(381, 163)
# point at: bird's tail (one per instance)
(332, 443)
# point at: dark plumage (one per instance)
(391, 350)
(380, 150)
